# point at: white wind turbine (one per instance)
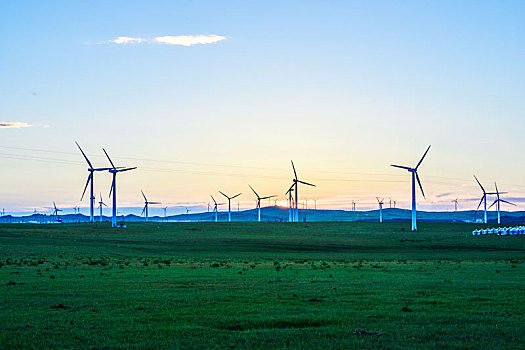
(291, 204)
(146, 205)
(483, 200)
(113, 170)
(415, 177)
(259, 202)
(296, 182)
(90, 181)
(100, 204)
(216, 208)
(456, 203)
(380, 202)
(229, 204)
(498, 202)
(55, 211)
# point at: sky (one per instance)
(203, 96)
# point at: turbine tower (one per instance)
(100, 204)
(90, 181)
(113, 170)
(380, 202)
(229, 204)
(498, 202)
(483, 200)
(415, 177)
(296, 181)
(146, 205)
(259, 203)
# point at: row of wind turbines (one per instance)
(292, 193)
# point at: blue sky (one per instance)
(343, 88)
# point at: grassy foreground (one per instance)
(249, 285)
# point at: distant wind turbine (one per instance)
(55, 211)
(90, 181)
(100, 204)
(455, 201)
(415, 177)
(291, 204)
(483, 200)
(380, 202)
(146, 205)
(296, 183)
(229, 204)
(113, 170)
(259, 202)
(216, 208)
(498, 202)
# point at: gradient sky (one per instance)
(343, 88)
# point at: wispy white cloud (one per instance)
(8, 125)
(189, 40)
(126, 40)
(182, 40)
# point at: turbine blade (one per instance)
(224, 195)
(143, 210)
(85, 187)
(418, 164)
(143, 195)
(401, 166)
(254, 191)
(306, 183)
(496, 201)
(101, 169)
(237, 195)
(497, 192)
(421, 187)
(113, 165)
(87, 160)
(213, 199)
(481, 201)
(295, 173)
(268, 197)
(154, 202)
(479, 183)
(112, 185)
(504, 201)
(126, 169)
(290, 189)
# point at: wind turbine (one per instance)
(296, 181)
(90, 181)
(100, 204)
(215, 208)
(146, 206)
(414, 178)
(483, 200)
(229, 204)
(498, 202)
(259, 202)
(113, 170)
(380, 202)
(290, 203)
(55, 211)
(455, 201)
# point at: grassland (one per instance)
(268, 285)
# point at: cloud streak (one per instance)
(181, 40)
(14, 125)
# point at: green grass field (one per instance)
(267, 285)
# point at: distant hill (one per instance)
(278, 214)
